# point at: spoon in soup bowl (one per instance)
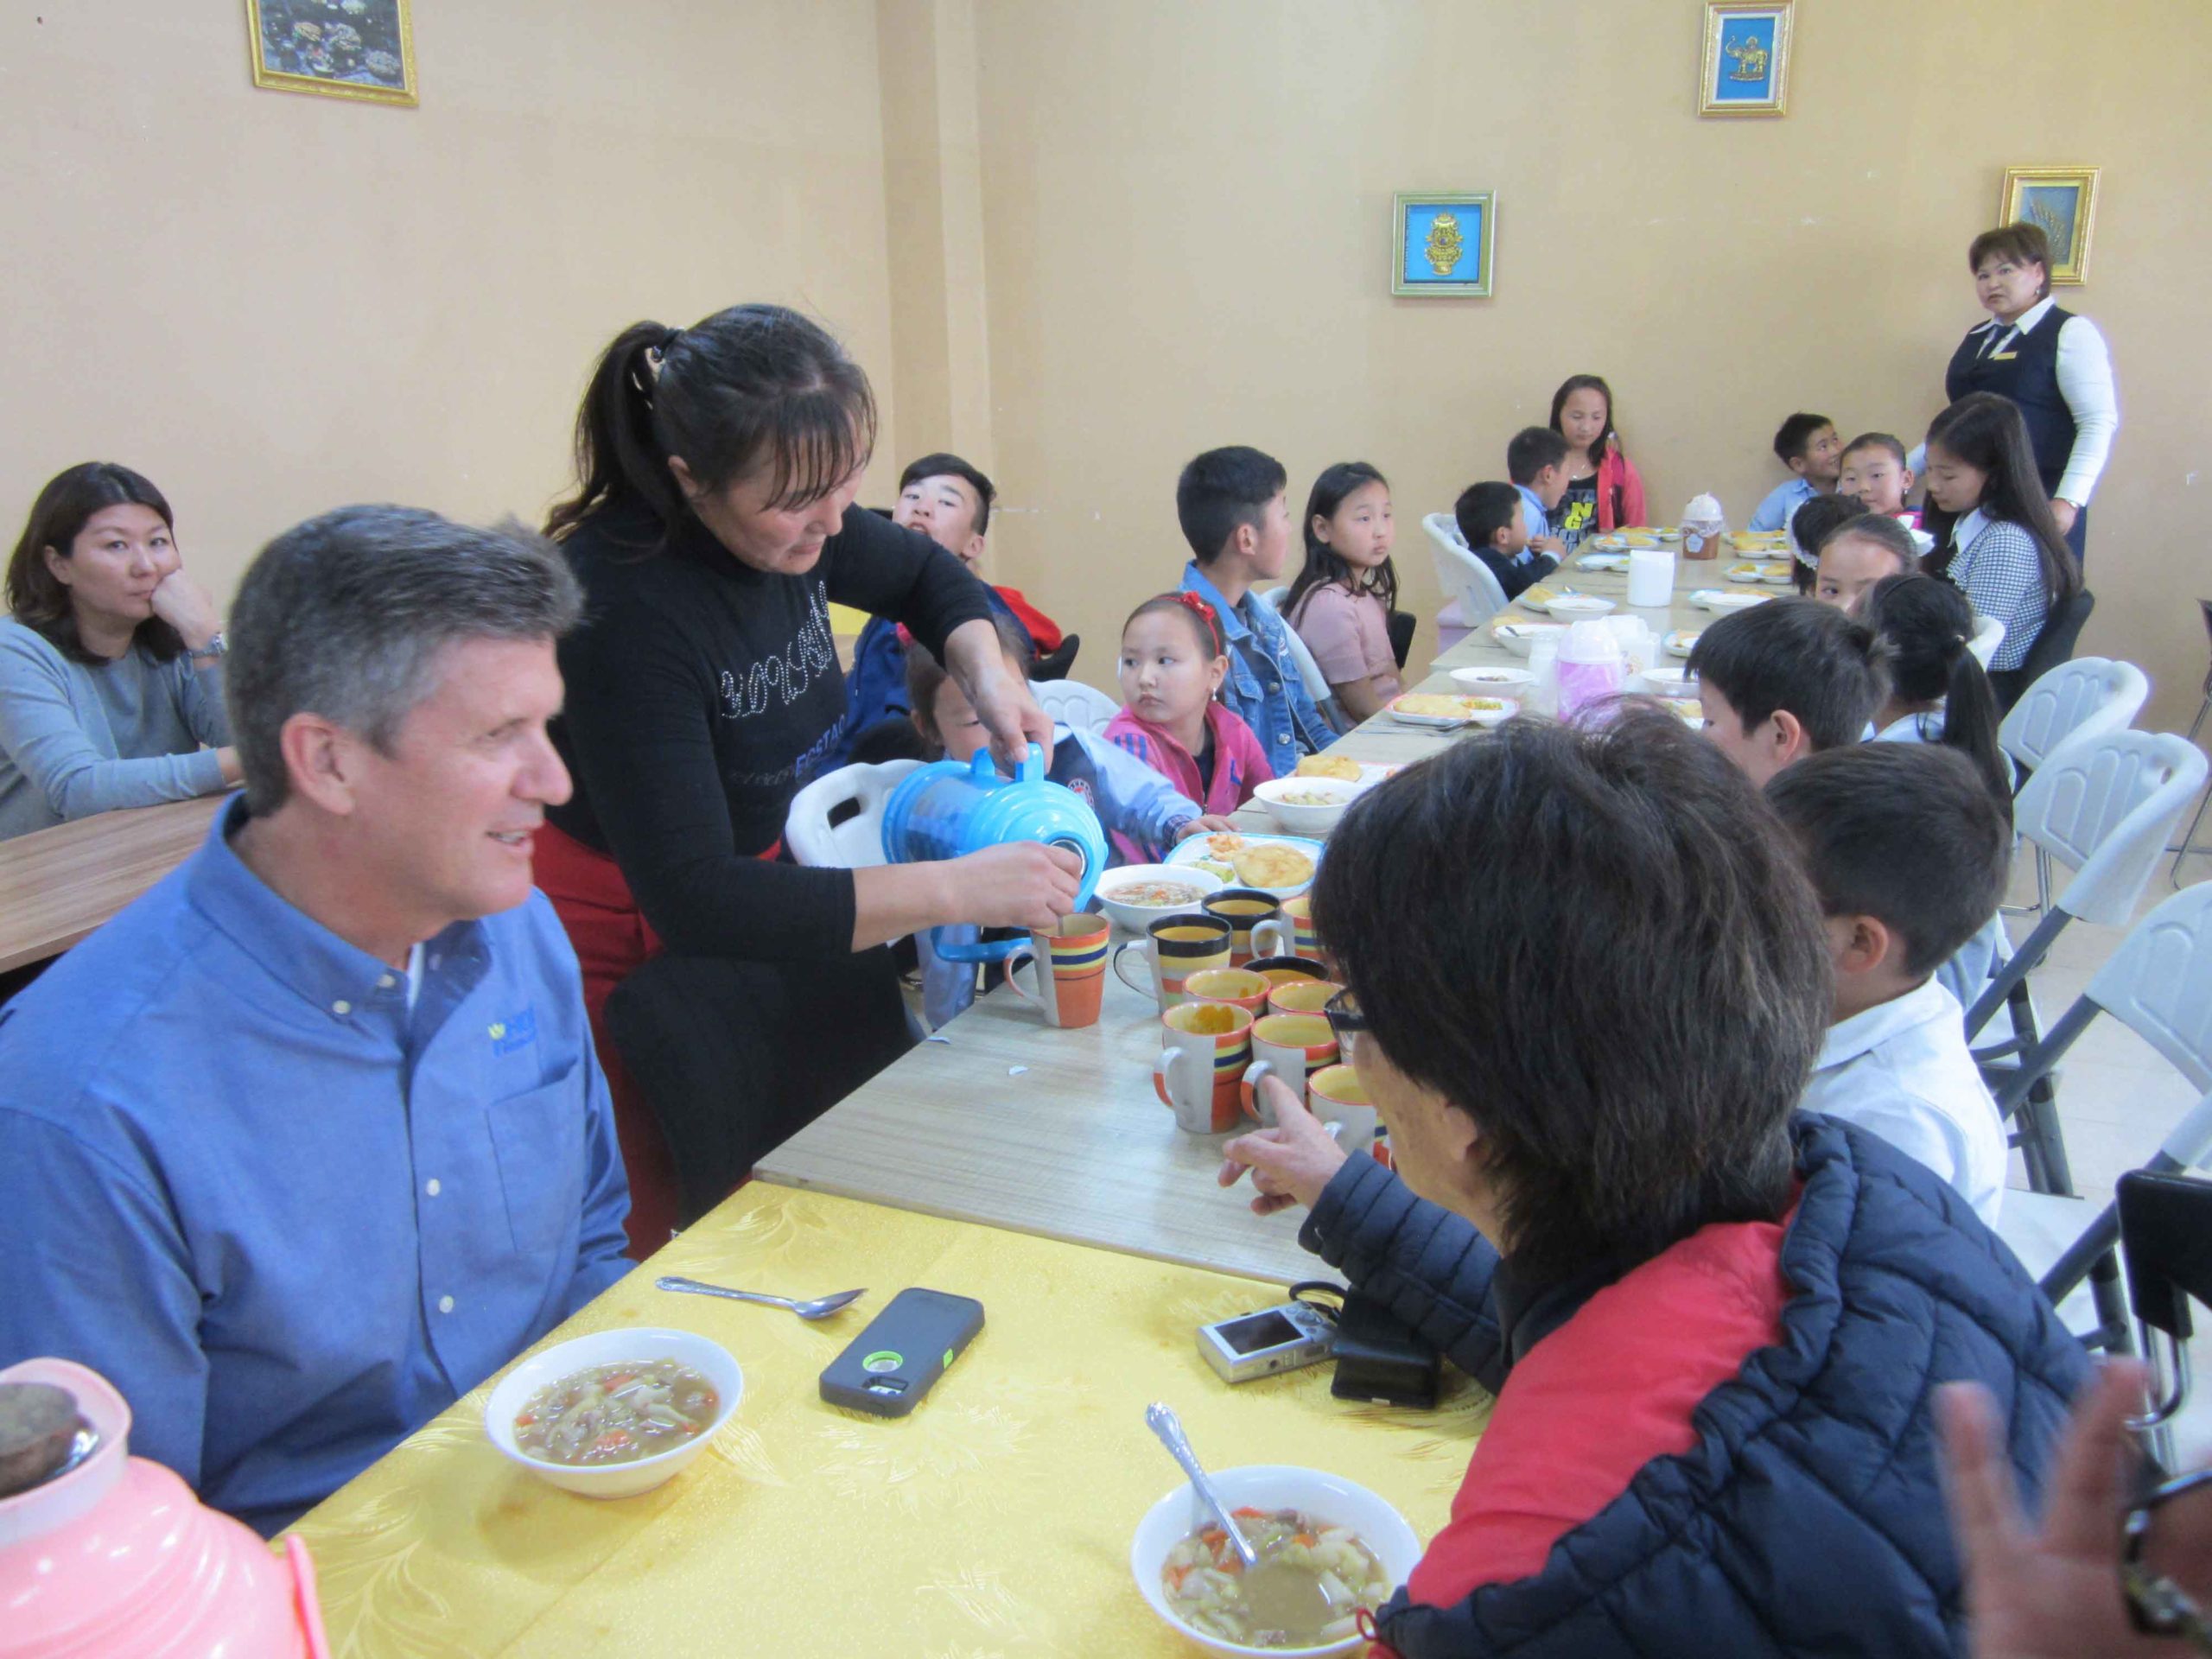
(820, 1308)
(1277, 1594)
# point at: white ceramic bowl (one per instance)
(1520, 638)
(1667, 681)
(1308, 819)
(710, 1359)
(1137, 918)
(1714, 599)
(1573, 607)
(1491, 682)
(1270, 1486)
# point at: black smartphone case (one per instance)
(1382, 1360)
(889, 1367)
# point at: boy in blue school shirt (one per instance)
(1809, 446)
(311, 1139)
(1492, 522)
(1536, 462)
(1235, 516)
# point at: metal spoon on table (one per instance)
(820, 1308)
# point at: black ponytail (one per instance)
(1930, 627)
(1988, 433)
(752, 386)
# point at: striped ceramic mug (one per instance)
(1076, 950)
(1203, 1048)
(1305, 939)
(1175, 948)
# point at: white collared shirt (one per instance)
(2084, 373)
(1902, 1070)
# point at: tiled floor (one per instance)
(2117, 1097)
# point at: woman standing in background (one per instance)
(2051, 363)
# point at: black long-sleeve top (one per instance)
(703, 693)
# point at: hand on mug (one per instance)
(1016, 883)
(1291, 1162)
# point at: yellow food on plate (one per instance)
(1442, 705)
(1224, 844)
(1636, 538)
(1684, 708)
(1538, 595)
(1214, 867)
(1271, 864)
(1339, 767)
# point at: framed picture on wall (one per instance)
(1441, 244)
(339, 48)
(1746, 60)
(2061, 202)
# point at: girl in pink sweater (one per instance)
(1604, 490)
(1173, 662)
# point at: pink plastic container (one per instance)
(118, 1559)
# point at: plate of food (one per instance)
(1574, 607)
(1774, 574)
(1756, 541)
(1520, 638)
(1683, 641)
(1449, 710)
(1622, 541)
(1615, 563)
(1716, 599)
(1669, 682)
(1536, 596)
(1688, 711)
(615, 1413)
(1282, 864)
(1489, 682)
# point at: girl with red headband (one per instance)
(1173, 663)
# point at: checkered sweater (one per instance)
(2001, 572)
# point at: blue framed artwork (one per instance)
(1745, 65)
(2061, 202)
(1441, 244)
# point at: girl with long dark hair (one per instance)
(112, 664)
(1996, 539)
(713, 526)
(1604, 490)
(1341, 601)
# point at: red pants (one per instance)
(611, 940)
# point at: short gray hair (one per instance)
(343, 616)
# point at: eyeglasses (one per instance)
(1345, 1021)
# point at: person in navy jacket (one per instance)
(1714, 1327)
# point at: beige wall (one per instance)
(272, 304)
(1187, 214)
(1080, 240)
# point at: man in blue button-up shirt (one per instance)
(311, 1139)
(1235, 516)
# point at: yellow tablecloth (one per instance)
(994, 1521)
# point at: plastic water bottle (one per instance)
(1543, 664)
(1591, 667)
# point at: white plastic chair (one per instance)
(2158, 983)
(1467, 582)
(1988, 634)
(855, 797)
(2083, 697)
(2103, 806)
(1309, 672)
(1080, 708)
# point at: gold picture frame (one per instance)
(1442, 243)
(1745, 69)
(359, 49)
(2061, 202)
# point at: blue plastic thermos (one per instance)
(949, 808)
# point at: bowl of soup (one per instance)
(1321, 1529)
(1308, 806)
(1137, 895)
(616, 1413)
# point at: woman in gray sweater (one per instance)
(112, 664)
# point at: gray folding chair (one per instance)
(2079, 698)
(2158, 984)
